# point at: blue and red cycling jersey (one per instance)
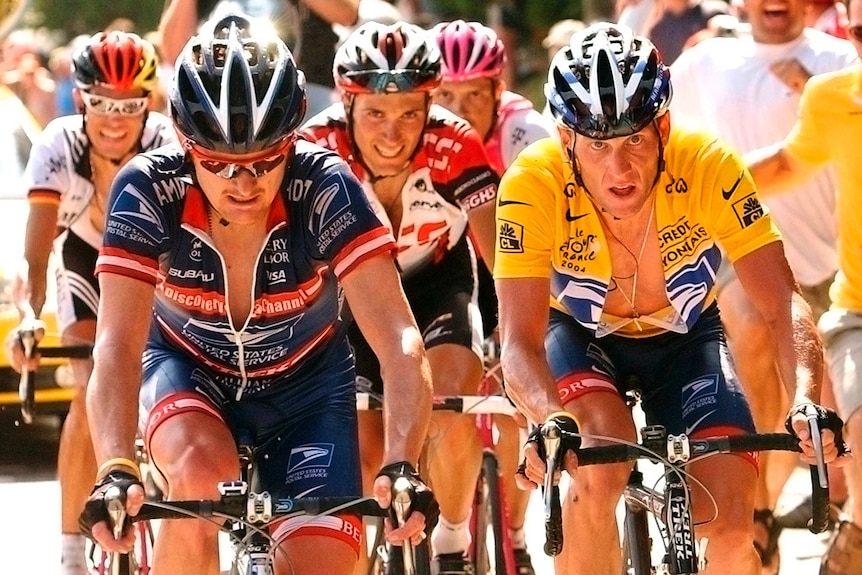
(320, 227)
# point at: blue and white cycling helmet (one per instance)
(607, 82)
(237, 88)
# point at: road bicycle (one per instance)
(137, 561)
(683, 553)
(243, 511)
(491, 550)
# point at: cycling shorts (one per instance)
(443, 298)
(842, 336)
(303, 429)
(77, 286)
(687, 380)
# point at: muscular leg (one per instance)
(508, 454)
(454, 453)
(310, 555)
(730, 480)
(853, 471)
(76, 463)
(193, 451)
(589, 507)
(753, 352)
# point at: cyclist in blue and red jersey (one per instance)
(427, 176)
(224, 264)
(473, 59)
(68, 178)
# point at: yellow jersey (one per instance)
(828, 130)
(548, 227)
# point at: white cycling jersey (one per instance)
(58, 163)
(518, 125)
(725, 85)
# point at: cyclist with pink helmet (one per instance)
(473, 58)
(427, 176)
(68, 177)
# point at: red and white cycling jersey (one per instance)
(450, 175)
(517, 126)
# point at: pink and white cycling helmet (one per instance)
(469, 50)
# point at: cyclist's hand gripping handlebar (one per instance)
(107, 503)
(819, 418)
(553, 439)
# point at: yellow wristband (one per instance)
(118, 462)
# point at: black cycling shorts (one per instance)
(77, 286)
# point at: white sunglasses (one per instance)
(105, 105)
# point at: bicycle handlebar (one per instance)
(27, 382)
(469, 404)
(660, 447)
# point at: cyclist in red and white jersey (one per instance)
(473, 60)
(68, 175)
(427, 176)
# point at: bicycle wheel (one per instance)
(489, 511)
(637, 545)
(136, 562)
(394, 564)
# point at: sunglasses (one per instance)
(260, 165)
(855, 32)
(105, 105)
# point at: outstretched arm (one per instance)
(178, 23)
(344, 12)
(523, 323)
(381, 311)
(776, 170)
(769, 282)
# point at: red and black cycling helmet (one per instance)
(382, 59)
(116, 60)
(237, 89)
(469, 50)
(607, 82)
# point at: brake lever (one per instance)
(402, 499)
(27, 383)
(814, 429)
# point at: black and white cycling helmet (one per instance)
(237, 89)
(607, 82)
(381, 59)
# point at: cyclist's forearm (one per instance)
(800, 357)
(407, 405)
(529, 383)
(38, 242)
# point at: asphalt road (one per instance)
(29, 506)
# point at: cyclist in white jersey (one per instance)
(473, 59)
(747, 90)
(68, 177)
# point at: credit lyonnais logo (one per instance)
(511, 237)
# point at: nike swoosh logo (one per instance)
(726, 194)
(512, 202)
(571, 218)
(690, 428)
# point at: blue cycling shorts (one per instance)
(303, 428)
(687, 381)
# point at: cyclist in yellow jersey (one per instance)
(827, 131)
(621, 227)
